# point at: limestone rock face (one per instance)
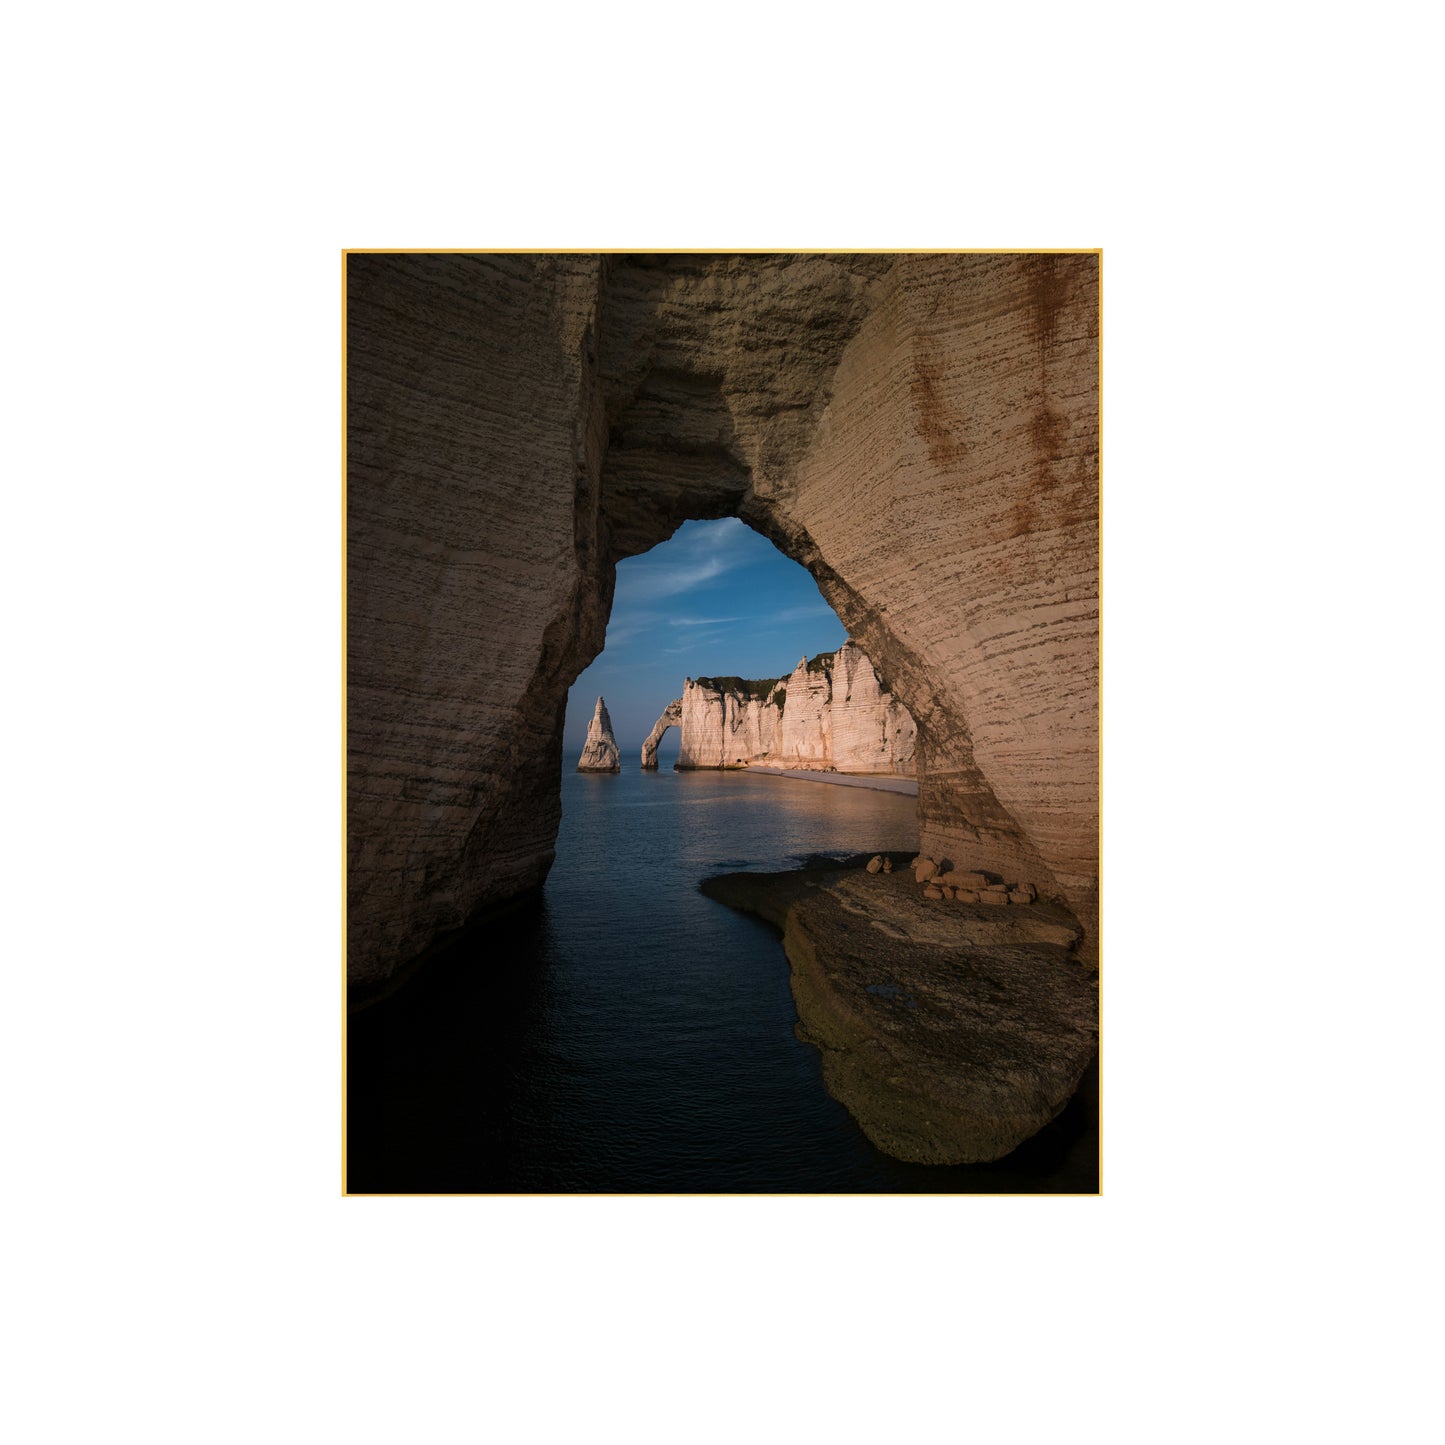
(599, 752)
(920, 432)
(831, 714)
(949, 500)
(727, 722)
(871, 730)
(466, 596)
(671, 718)
(807, 738)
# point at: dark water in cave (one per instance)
(625, 1034)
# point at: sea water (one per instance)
(625, 1034)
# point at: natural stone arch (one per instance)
(671, 718)
(920, 432)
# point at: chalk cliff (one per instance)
(831, 714)
(869, 730)
(919, 431)
(599, 752)
(727, 721)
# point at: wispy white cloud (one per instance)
(658, 582)
(798, 614)
(630, 621)
(627, 622)
(695, 556)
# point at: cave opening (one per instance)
(528, 435)
(919, 432)
(716, 601)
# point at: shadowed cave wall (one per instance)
(920, 432)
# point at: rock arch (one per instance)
(671, 718)
(920, 432)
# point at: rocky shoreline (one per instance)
(951, 1031)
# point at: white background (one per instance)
(180, 1264)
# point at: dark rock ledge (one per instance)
(950, 1032)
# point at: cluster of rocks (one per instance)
(941, 880)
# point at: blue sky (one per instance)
(715, 599)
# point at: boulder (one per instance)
(932, 892)
(925, 870)
(875, 864)
(966, 895)
(1021, 895)
(966, 880)
(999, 898)
(887, 865)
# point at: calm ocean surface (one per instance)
(626, 1034)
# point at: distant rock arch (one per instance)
(671, 718)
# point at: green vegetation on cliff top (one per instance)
(766, 689)
(760, 688)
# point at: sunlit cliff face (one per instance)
(919, 432)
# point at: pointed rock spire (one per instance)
(599, 753)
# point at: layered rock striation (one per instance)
(919, 431)
(599, 752)
(841, 718)
(728, 721)
(830, 714)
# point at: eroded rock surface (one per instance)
(599, 752)
(868, 729)
(950, 1035)
(729, 720)
(920, 432)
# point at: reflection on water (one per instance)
(625, 1034)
